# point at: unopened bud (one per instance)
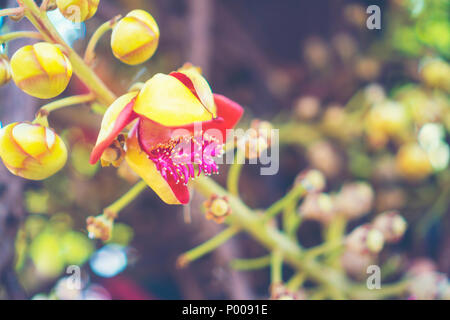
(217, 208)
(312, 180)
(317, 207)
(365, 239)
(77, 10)
(41, 70)
(135, 37)
(354, 200)
(391, 224)
(100, 227)
(31, 151)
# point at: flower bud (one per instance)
(281, 292)
(354, 200)
(41, 70)
(135, 37)
(312, 180)
(77, 10)
(100, 227)
(412, 162)
(5, 71)
(317, 206)
(217, 208)
(429, 286)
(31, 151)
(391, 224)
(115, 153)
(355, 264)
(365, 239)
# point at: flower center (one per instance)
(181, 157)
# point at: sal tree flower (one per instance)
(180, 128)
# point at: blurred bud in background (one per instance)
(412, 162)
(316, 53)
(318, 207)
(436, 74)
(367, 69)
(345, 46)
(365, 239)
(391, 224)
(355, 264)
(307, 107)
(324, 157)
(354, 200)
(311, 180)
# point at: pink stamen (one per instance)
(178, 156)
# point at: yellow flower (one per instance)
(135, 37)
(77, 10)
(5, 71)
(41, 70)
(31, 151)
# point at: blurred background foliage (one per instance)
(356, 104)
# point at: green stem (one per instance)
(41, 22)
(207, 246)
(126, 199)
(251, 264)
(89, 55)
(296, 281)
(276, 267)
(20, 34)
(386, 291)
(235, 172)
(65, 102)
(322, 249)
(11, 11)
(297, 192)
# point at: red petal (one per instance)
(125, 117)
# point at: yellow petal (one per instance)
(146, 169)
(109, 119)
(201, 86)
(166, 100)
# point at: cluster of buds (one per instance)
(130, 48)
(41, 70)
(257, 139)
(387, 227)
(77, 10)
(5, 71)
(354, 200)
(217, 208)
(31, 151)
(281, 292)
(425, 282)
(100, 227)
